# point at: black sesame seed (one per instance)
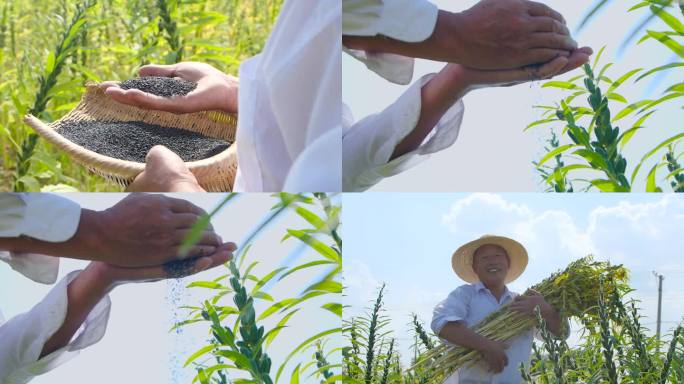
(160, 86)
(132, 140)
(179, 268)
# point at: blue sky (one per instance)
(138, 342)
(492, 153)
(406, 240)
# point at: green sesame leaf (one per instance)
(325, 250)
(555, 152)
(651, 181)
(561, 85)
(202, 351)
(653, 151)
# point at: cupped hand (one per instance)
(527, 303)
(116, 275)
(144, 230)
(164, 171)
(504, 34)
(474, 78)
(215, 90)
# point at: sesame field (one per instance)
(49, 50)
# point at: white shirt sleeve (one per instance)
(41, 216)
(368, 144)
(24, 336)
(410, 21)
(454, 308)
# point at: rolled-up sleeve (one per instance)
(23, 337)
(409, 21)
(368, 144)
(454, 308)
(40, 216)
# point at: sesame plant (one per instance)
(586, 148)
(168, 10)
(50, 49)
(615, 349)
(371, 355)
(244, 316)
(67, 47)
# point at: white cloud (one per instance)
(360, 284)
(616, 232)
(641, 233)
(475, 214)
(545, 234)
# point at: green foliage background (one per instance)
(49, 49)
(591, 127)
(244, 311)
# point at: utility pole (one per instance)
(660, 305)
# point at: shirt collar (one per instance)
(479, 286)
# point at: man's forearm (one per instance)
(442, 45)
(83, 293)
(459, 334)
(437, 96)
(82, 245)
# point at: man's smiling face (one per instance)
(491, 263)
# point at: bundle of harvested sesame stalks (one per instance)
(573, 292)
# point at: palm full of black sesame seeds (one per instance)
(180, 268)
(160, 86)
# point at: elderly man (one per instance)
(488, 264)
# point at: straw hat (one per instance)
(462, 260)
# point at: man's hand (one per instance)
(474, 79)
(215, 90)
(527, 303)
(142, 230)
(455, 80)
(164, 171)
(532, 299)
(492, 35)
(93, 283)
(498, 34)
(495, 356)
(121, 275)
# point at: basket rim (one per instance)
(119, 167)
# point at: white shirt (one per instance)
(369, 143)
(49, 218)
(470, 304)
(289, 131)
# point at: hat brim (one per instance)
(462, 259)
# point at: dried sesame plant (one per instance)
(241, 328)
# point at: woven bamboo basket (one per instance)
(215, 174)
